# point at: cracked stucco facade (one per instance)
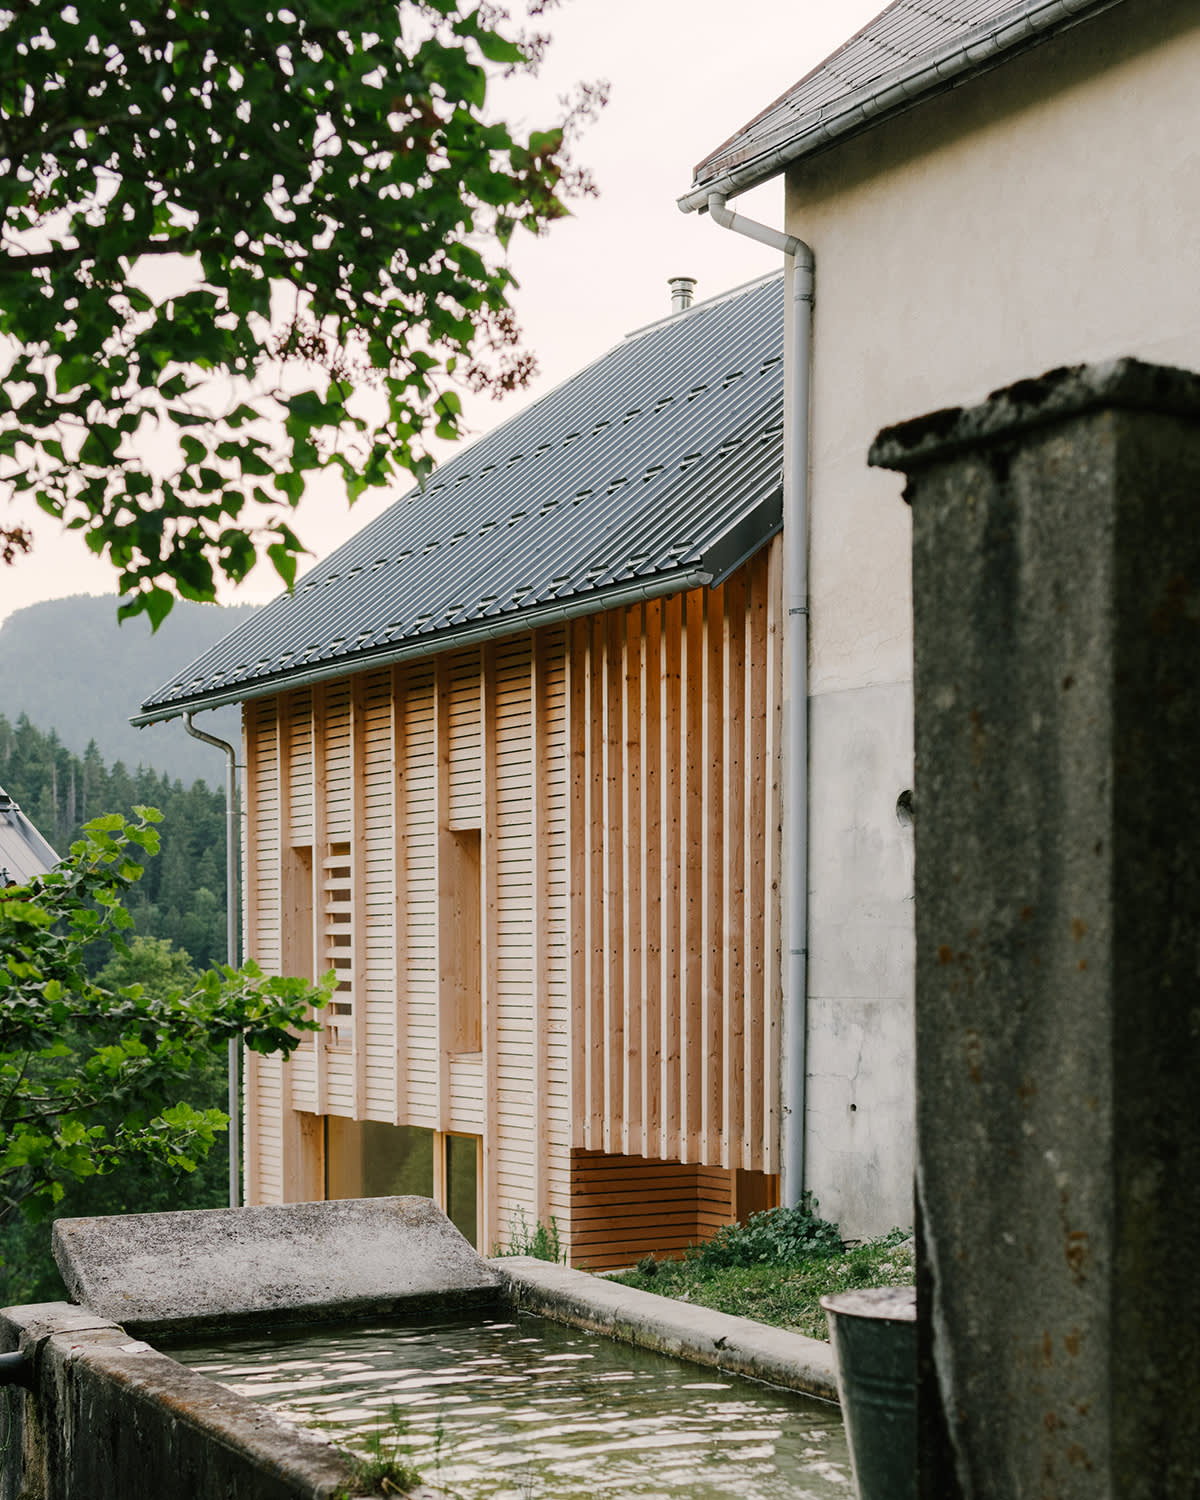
(1045, 214)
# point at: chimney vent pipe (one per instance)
(682, 288)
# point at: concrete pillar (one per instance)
(1056, 579)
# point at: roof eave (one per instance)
(472, 632)
(723, 555)
(899, 91)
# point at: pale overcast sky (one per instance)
(685, 74)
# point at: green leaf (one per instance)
(284, 561)
(499, 49)
(157, 604)
(99, 447)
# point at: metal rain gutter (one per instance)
(551, 613)
(796, 792)
(923, 78)
(231, 949)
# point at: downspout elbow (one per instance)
(789, 244)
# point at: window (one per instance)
(371, 1159)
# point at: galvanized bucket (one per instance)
(874, 1336)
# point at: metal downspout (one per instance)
(795, 807)
(231, 949)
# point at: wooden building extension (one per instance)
(542, 858)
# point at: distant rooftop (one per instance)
(656, 469)
(912, 50)
(24, 853)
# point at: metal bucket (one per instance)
(874, 1335)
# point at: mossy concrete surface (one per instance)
(300, 1262)
(737, 1345)
(110, 1418)
(1056, 585)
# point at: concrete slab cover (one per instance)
(176, 1271)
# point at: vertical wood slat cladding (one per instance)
(552, 1013)
(617, 778)
(674, 856)
(398, 1043)
(263, 1076)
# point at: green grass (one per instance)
(386, 1468)
(783, 1293)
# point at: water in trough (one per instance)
(521, 1408)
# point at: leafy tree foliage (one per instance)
(94, 1074)
(27, 1269)
(340, 196)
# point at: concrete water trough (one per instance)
(95, 1408)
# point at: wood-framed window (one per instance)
(373, 1159)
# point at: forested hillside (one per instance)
(182, 894)
(69, 666)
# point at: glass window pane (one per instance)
(462, 1185)
(369, 1159)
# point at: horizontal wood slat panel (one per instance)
(625, 1207)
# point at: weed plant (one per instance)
(387, 1467)
(777, 1236)
(541, 1242)
(776, 1268)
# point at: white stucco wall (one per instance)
(1045, 214)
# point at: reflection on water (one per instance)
(531, 1410)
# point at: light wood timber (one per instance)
(614, 905)
(593, 1039)
(358, 887)
(650, 726)
(579, 871)
(399, 891)
(692, 751)
(320, 808)
(673, 750)
(733, 884)
(621, 874)
(485, 893)
(758, 833)
(539, 858)
(772, 911)
(633, 631)
(710, 1146)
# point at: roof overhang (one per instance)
(894, 93)
(742, 539)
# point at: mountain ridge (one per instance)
(71, 667)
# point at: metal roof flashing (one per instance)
(654, 470)
(942, 45)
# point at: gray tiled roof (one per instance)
(911, 49)
(654, 469)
